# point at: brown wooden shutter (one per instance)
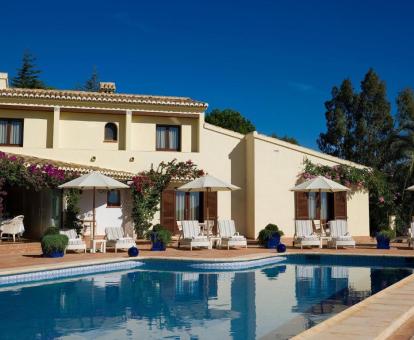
(211, 198)
(301, 206)
(168, 210)
(340, 205)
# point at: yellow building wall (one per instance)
(37, 129)
(143, 132)
(277, 167)
(87, 131)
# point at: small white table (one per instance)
(324, 238)
(214, 240)
(101, 243)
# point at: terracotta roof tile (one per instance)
(99, 97)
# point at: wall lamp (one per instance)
(93, 159)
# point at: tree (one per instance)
(28, 75)
(231, 120)
(360, 126)
(338, 140)
(285, 138)
(92, 84)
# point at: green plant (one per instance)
(388, 234)
(51, 231)
(159, 233)
(54, 243)
(268, 232)
(72, 210)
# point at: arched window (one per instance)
(111, 132)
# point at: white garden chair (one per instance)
(75, 242)
(305, 235)
(12, 228)
(340, 236)
(229, 236)
(192, 236)
(116, 238)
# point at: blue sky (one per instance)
(274, 61)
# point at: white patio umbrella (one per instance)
(93, 180)
(320, 184)
(207, 183)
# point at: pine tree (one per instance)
(92, 84)
(360, 127)
(27, 75)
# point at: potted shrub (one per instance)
(269, 237)
(384, 237)
(54, 244)
(159, 237)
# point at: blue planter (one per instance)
(158, 246)
(54, 254)
(281, 248)
(273, 242)
(133, 252)
(383, 243)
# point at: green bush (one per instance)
(386, 233)
(51, 231)
(54, 243)
(161, 234)
(266, 233)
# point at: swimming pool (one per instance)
(181, 300)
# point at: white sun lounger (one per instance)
(13, 227)
(304, 234)
(192, 236)
(229, 236)
(115, 238)
(75, 242)
(340, 236)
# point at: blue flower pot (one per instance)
(158, 246)
(383, 243)
(54, 254)
(281, 248)
(133, 252)
(273, 242)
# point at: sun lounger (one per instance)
(192, 236)
(116, 238)
(75, 242)
(340, 236)
(229, 236)
(304, 234)
(12, 228)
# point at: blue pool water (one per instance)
(170, 300)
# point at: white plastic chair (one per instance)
(304, 234)
(229, 236)
(75, 242)
(13, 227)
(192, 236)
(340, 236)
(116, 238)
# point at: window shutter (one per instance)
(168, 210)
(301, 206)
(340, 206)
(211, 198)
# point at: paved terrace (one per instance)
(386, 315)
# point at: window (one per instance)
(113, 198)
(168, 138)
(111, 132)
(11, 132)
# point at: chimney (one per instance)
(4, 81)
(107, 87)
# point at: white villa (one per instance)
(123, 134)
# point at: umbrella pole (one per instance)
(320, 211)
(208, 214)
(93, 214)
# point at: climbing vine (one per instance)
(148, 186)
(383, 196)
